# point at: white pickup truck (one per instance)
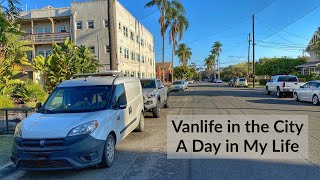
(283, 84)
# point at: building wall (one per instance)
(313, 56)
(98, 37)
(127, 24)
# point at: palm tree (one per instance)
(184, 53)
(178, 25)
(216, 49)
(163, 6)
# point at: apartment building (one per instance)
(86, 23)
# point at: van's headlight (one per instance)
(17, 131)
(85, 128)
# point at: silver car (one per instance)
(179, 85)
(309, 92)
(241, 82)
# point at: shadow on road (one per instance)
(155, 165)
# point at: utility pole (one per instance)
(303, 52)
(112, 34)
(253, 54)
(249, 40)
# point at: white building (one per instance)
(86, 23)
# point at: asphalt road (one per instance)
(143, 155)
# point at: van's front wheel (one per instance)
(108, 153)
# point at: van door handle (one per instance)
(130, 110)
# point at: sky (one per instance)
(282, 27)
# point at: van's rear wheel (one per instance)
(108, 153)
(267, 91)
(315, 100)
(140, 127)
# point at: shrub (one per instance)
(263, 81)
(302, 79)
(6, 102)
(32, 93)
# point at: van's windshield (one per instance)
(77, 99)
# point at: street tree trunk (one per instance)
(163, 78)
(172, 71)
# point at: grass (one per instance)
(5, 148)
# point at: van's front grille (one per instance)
(43, 164)
(42, 143)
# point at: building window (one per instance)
(41, 53)
(142, 42)
(79, 24)
(120, 50)
(126, 53)
(125, 31)
(90, 24)
(92, 48)
(138, 39)
(43, 30)
(120, 28)
(106, 23)
(143, 58)
(138, 57)
(133, 55)
(48, 53)
(133, 74)
(107, 49)
(63, 29)
(127, 72)
(143, 75)
(131, 35)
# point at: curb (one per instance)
(6, 165)
(6, 169)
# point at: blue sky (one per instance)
(229, 21)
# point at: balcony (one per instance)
(45, 38)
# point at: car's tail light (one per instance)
(283, 84)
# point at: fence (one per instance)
(10, 117)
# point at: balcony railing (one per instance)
(45, 38)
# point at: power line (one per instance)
(274, 32)
(281, 29)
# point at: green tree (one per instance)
(274, 66)
(13, 56)
(216, 50)
(178, 24)
(65, 61)
(163, 6)
(184, 53)
(182, 72)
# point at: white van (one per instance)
(80, 123)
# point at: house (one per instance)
(86, 23)
(313, 66)
(167, 71)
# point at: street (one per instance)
(143, 155)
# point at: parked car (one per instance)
(308, 92)
(232, 81)
(219, 81)
(241, 82)
(283, 84)
(80, 123)
(155, 95)
(179, 85)
(190, 81)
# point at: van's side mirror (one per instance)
(301, 86)
(122, 103)
(38, 106)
